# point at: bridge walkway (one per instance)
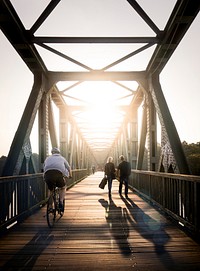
(96, 233)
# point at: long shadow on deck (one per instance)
(24, 259)
(134, 218)
(116, 219)
(150, 229)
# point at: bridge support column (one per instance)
(142, 141)
(43, 123)
(52, 126)
(151, 136)
(64, 131)
(46, 128)
(133, 137)
(72, 138)
(127, 141)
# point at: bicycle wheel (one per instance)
(51, 212)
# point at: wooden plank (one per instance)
(96, 233)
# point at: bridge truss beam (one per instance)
(149, 93)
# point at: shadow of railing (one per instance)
(175, 194)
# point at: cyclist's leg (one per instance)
(60, 182)
(50, 185)
(62, 193)
(50, 198)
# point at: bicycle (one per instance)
(53, 208)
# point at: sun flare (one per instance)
(97, 108)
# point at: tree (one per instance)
(192, 152)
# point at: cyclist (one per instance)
(56, 170)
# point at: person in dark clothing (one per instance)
(110, 173)
(123, 171)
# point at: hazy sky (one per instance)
(180, 78)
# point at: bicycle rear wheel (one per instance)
(51, 212)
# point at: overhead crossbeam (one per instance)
(40, 40)
(96, 75)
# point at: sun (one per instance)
(98, 110)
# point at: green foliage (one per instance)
(192, 152)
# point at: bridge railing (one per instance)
(176, 195)
(21, 195)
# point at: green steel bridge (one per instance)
(64, 103)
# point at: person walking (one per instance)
(123, 171)
(110, 173)
(56, 170)
(93, 169)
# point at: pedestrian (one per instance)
(110, 173)
(56, 170)
(123, 171)
(93, 169)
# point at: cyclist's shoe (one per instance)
(61, 207)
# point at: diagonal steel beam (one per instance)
(15, 157)
(128, 56)
(180, 20)
(44, 15)
(144, 16)
(13, 29)
(65, 56)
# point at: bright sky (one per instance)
(180, 78)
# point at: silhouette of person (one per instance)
(110, 173)
(123, 171)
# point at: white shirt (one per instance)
(57, 162)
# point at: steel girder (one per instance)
(23, 41)
(180, 20)
(72, 144)
(69, 132)
(126, 142)
(171, 147)
(16, 156)
(17, 35)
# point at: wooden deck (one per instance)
(98, 234)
